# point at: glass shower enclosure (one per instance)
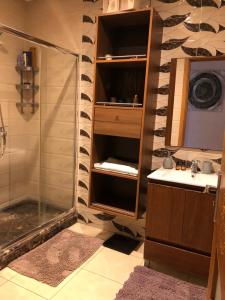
(37, 134)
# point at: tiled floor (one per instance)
(99, 278)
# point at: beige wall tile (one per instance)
(58, 197)
(58, 146)
(5, 196)
(52, 128)
(58, 162)
(59, 179)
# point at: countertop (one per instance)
(184, 177)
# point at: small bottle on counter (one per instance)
(168, 162)
(183, 166)
(178, 165)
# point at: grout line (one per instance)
(76, 273)
(81, 268)
(10, 276)
(105, 277)
(6, 280)
(91, 258)
(32, 292)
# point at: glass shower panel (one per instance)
(58, 116)
(37, 167)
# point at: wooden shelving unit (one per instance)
(123, 132)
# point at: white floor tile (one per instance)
(88, 286)
(113, 265)
(2, 280)
(40, 288)
(7, 273)
(10, 291)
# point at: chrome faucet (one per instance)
(194, 167)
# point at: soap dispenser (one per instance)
(168, 161)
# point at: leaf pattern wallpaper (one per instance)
(190, 28)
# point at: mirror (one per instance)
(196, 108)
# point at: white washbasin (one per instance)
(185, 177)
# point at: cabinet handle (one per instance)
(217, 195)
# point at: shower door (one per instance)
(58, 116)
(37, 166)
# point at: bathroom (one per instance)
(54, 125)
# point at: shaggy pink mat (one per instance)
(146, 284)
(54, 260)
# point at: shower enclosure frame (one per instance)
(46, 230)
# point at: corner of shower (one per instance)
(38, 129)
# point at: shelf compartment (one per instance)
(120, 81)
(105, 146)
(123, 34)
(114, 192)
(114, 173)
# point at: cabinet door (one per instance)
(165, 213)
(198, 221)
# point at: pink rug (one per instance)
(54, 260)
(146, 284)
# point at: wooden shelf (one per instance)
(139, 108)
(115, 173)
(113, 210)
(120, 63)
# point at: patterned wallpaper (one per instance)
(191, 28)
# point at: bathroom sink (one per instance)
(185, 177)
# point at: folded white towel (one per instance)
(113, 164)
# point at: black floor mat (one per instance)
(121, 243)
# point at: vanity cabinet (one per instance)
(179, 226)
(197, 231)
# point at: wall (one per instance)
(23, 130)
(13, 160)
(56, 21)
(12, 165)
(12, 13)
(199, 30)
(190, 28)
